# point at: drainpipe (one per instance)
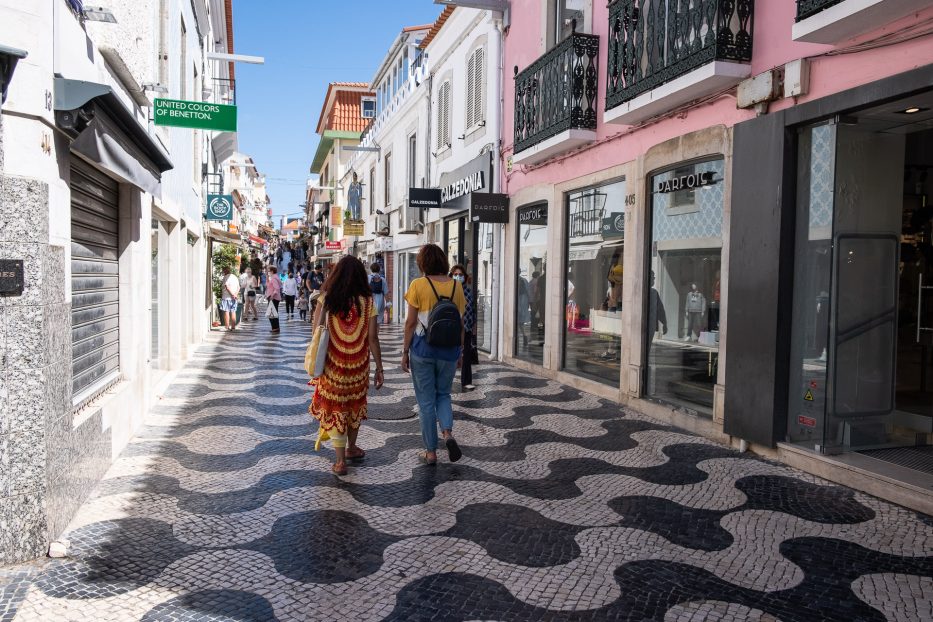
(499, 275)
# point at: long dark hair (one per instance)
(344, 286)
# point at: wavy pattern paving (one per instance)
(565, 507)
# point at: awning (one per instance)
(257, 240)
(108, 134)
(224, 236)
(587, 252)
(9, 56)
(224, 145)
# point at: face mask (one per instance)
(458, 277)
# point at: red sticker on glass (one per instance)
(810, 422)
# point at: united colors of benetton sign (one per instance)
(197, 115)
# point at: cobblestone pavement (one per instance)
(564, 507)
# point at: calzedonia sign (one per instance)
(687, 182)
(197, 115)
(471, 183)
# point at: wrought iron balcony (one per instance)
(808, 8)
(653, 42)
(557, 92)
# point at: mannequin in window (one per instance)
(656, 314)
(713, 323)
(695, 309)
(615, 278)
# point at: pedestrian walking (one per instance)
(274, 296)
(229, 291)
(249, 284)
(339, 401)
(302, 305)
(290, 291)
(459, 274)
(432, 349)
(378, 286)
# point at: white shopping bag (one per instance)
(271, 311)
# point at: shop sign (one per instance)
(687, 182)
(197, 115)
(331, 245)
(424, 198)
(336, 217)
(471, 177)
(11, 277)
(219, 207)
(353, 228)
(534, 215)
(473, 183)
(489, 207)
(383, 244)
(614, 226)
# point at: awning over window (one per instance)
(224, 236)
(224, 145)
(257, 240)
(108, 134)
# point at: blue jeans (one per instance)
(433, 379)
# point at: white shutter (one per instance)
(470, 92)
(479, 103)
(444, 113)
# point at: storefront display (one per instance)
(595, 274)
(684, 289)
(531, 282)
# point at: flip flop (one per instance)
(356, 456)
(453, 449)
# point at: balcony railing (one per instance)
(652, 42)
(809, 8)
(557, 92)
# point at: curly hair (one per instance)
(432, 261)
(344, 286)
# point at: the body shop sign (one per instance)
(197, 115)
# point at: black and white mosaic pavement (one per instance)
(564, 507)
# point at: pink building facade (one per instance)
(719, 217)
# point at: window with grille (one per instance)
(476, 76)
(443, 116)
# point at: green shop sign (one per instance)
(199, 115)
(219, 207)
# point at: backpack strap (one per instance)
(436, 295)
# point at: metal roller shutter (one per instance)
(95, 307)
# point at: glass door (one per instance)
(845, 308)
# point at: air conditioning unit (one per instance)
(409, 220)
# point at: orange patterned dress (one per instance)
(339, 401)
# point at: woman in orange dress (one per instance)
(339, 401)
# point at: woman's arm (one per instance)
(411, 321)
(317, 316)
(376, 351)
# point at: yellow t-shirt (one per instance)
(422, 296)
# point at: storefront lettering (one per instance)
(474, 182)
(533, 215)
(687, 182)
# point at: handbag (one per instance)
(316, 354)
(271, 311)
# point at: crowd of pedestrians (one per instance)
(351, 305)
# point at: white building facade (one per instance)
(104, 212)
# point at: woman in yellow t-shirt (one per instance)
(432, 368)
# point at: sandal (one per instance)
(453, 449)
(359, 454)
(428, 461)
(339, 468)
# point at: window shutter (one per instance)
(471, 92)
(444, 121)
(479, 104)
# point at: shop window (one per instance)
(682, 296)
(531, 283)
(593, 311)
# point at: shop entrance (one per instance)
(862, 340)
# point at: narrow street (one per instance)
(564, 507)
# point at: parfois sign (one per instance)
(197, 115)
(687, 182)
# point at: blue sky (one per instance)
(306, 44)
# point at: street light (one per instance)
(98, 14)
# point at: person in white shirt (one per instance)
(229, 290)
(289, 291)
